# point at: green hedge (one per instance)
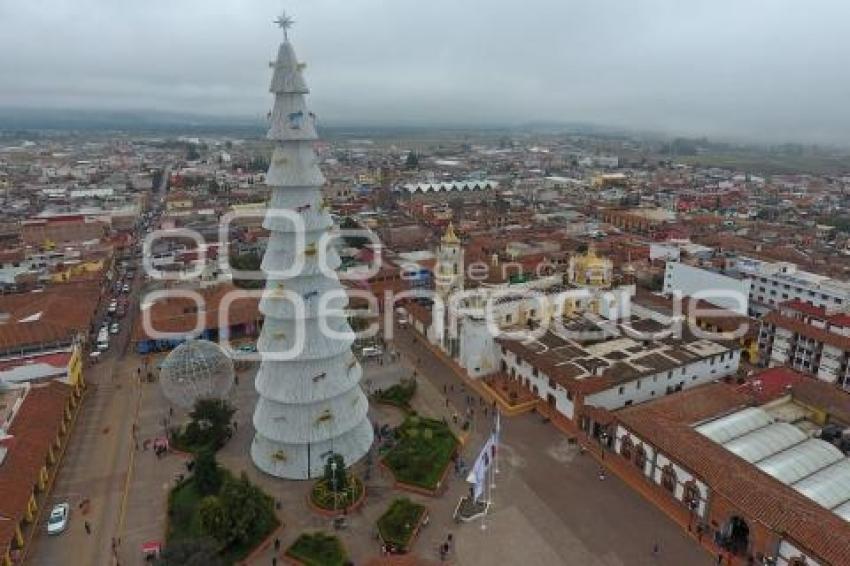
(318, 549)
(399, 394)
(422, 452)
(398, 523)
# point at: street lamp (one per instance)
(333, 480)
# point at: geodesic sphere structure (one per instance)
(197, 369)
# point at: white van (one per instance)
(103, 339)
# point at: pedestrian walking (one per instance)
(87, 526)
(276, 544)
(656, 550)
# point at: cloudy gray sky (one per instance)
(770, 69)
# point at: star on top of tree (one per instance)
(285, 22)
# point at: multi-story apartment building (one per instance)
(811, 339)
(774, 283)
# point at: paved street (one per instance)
(96, 462)
(94, 471)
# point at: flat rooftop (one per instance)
(601, 354)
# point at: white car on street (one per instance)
(114, 328)
(371, 352)
(58, 520)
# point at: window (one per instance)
(626, 447)
(668, 478)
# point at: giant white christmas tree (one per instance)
(310, 406)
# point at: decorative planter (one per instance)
(356, 504)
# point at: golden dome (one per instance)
(450, 237)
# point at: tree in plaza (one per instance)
(247, 262)
(210, 425)
(215, 519)
(207, 473)
(335, 474)
(250, 510)
(191, 552)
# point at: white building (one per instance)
(728, 292)
(777, 282)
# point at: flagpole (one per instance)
(498, 440)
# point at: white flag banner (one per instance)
(478, 475)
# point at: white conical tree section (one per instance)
(311, 403)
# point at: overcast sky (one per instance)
(771, 69)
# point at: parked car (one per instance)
(371, 352)
(113, 306)
(58, 520)
(114, 329)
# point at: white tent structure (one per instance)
(812, 466)
(311, 404)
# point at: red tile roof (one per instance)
(178, 314)
(56, 314)
(667, 424)
(35, 427)
(770, 384)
